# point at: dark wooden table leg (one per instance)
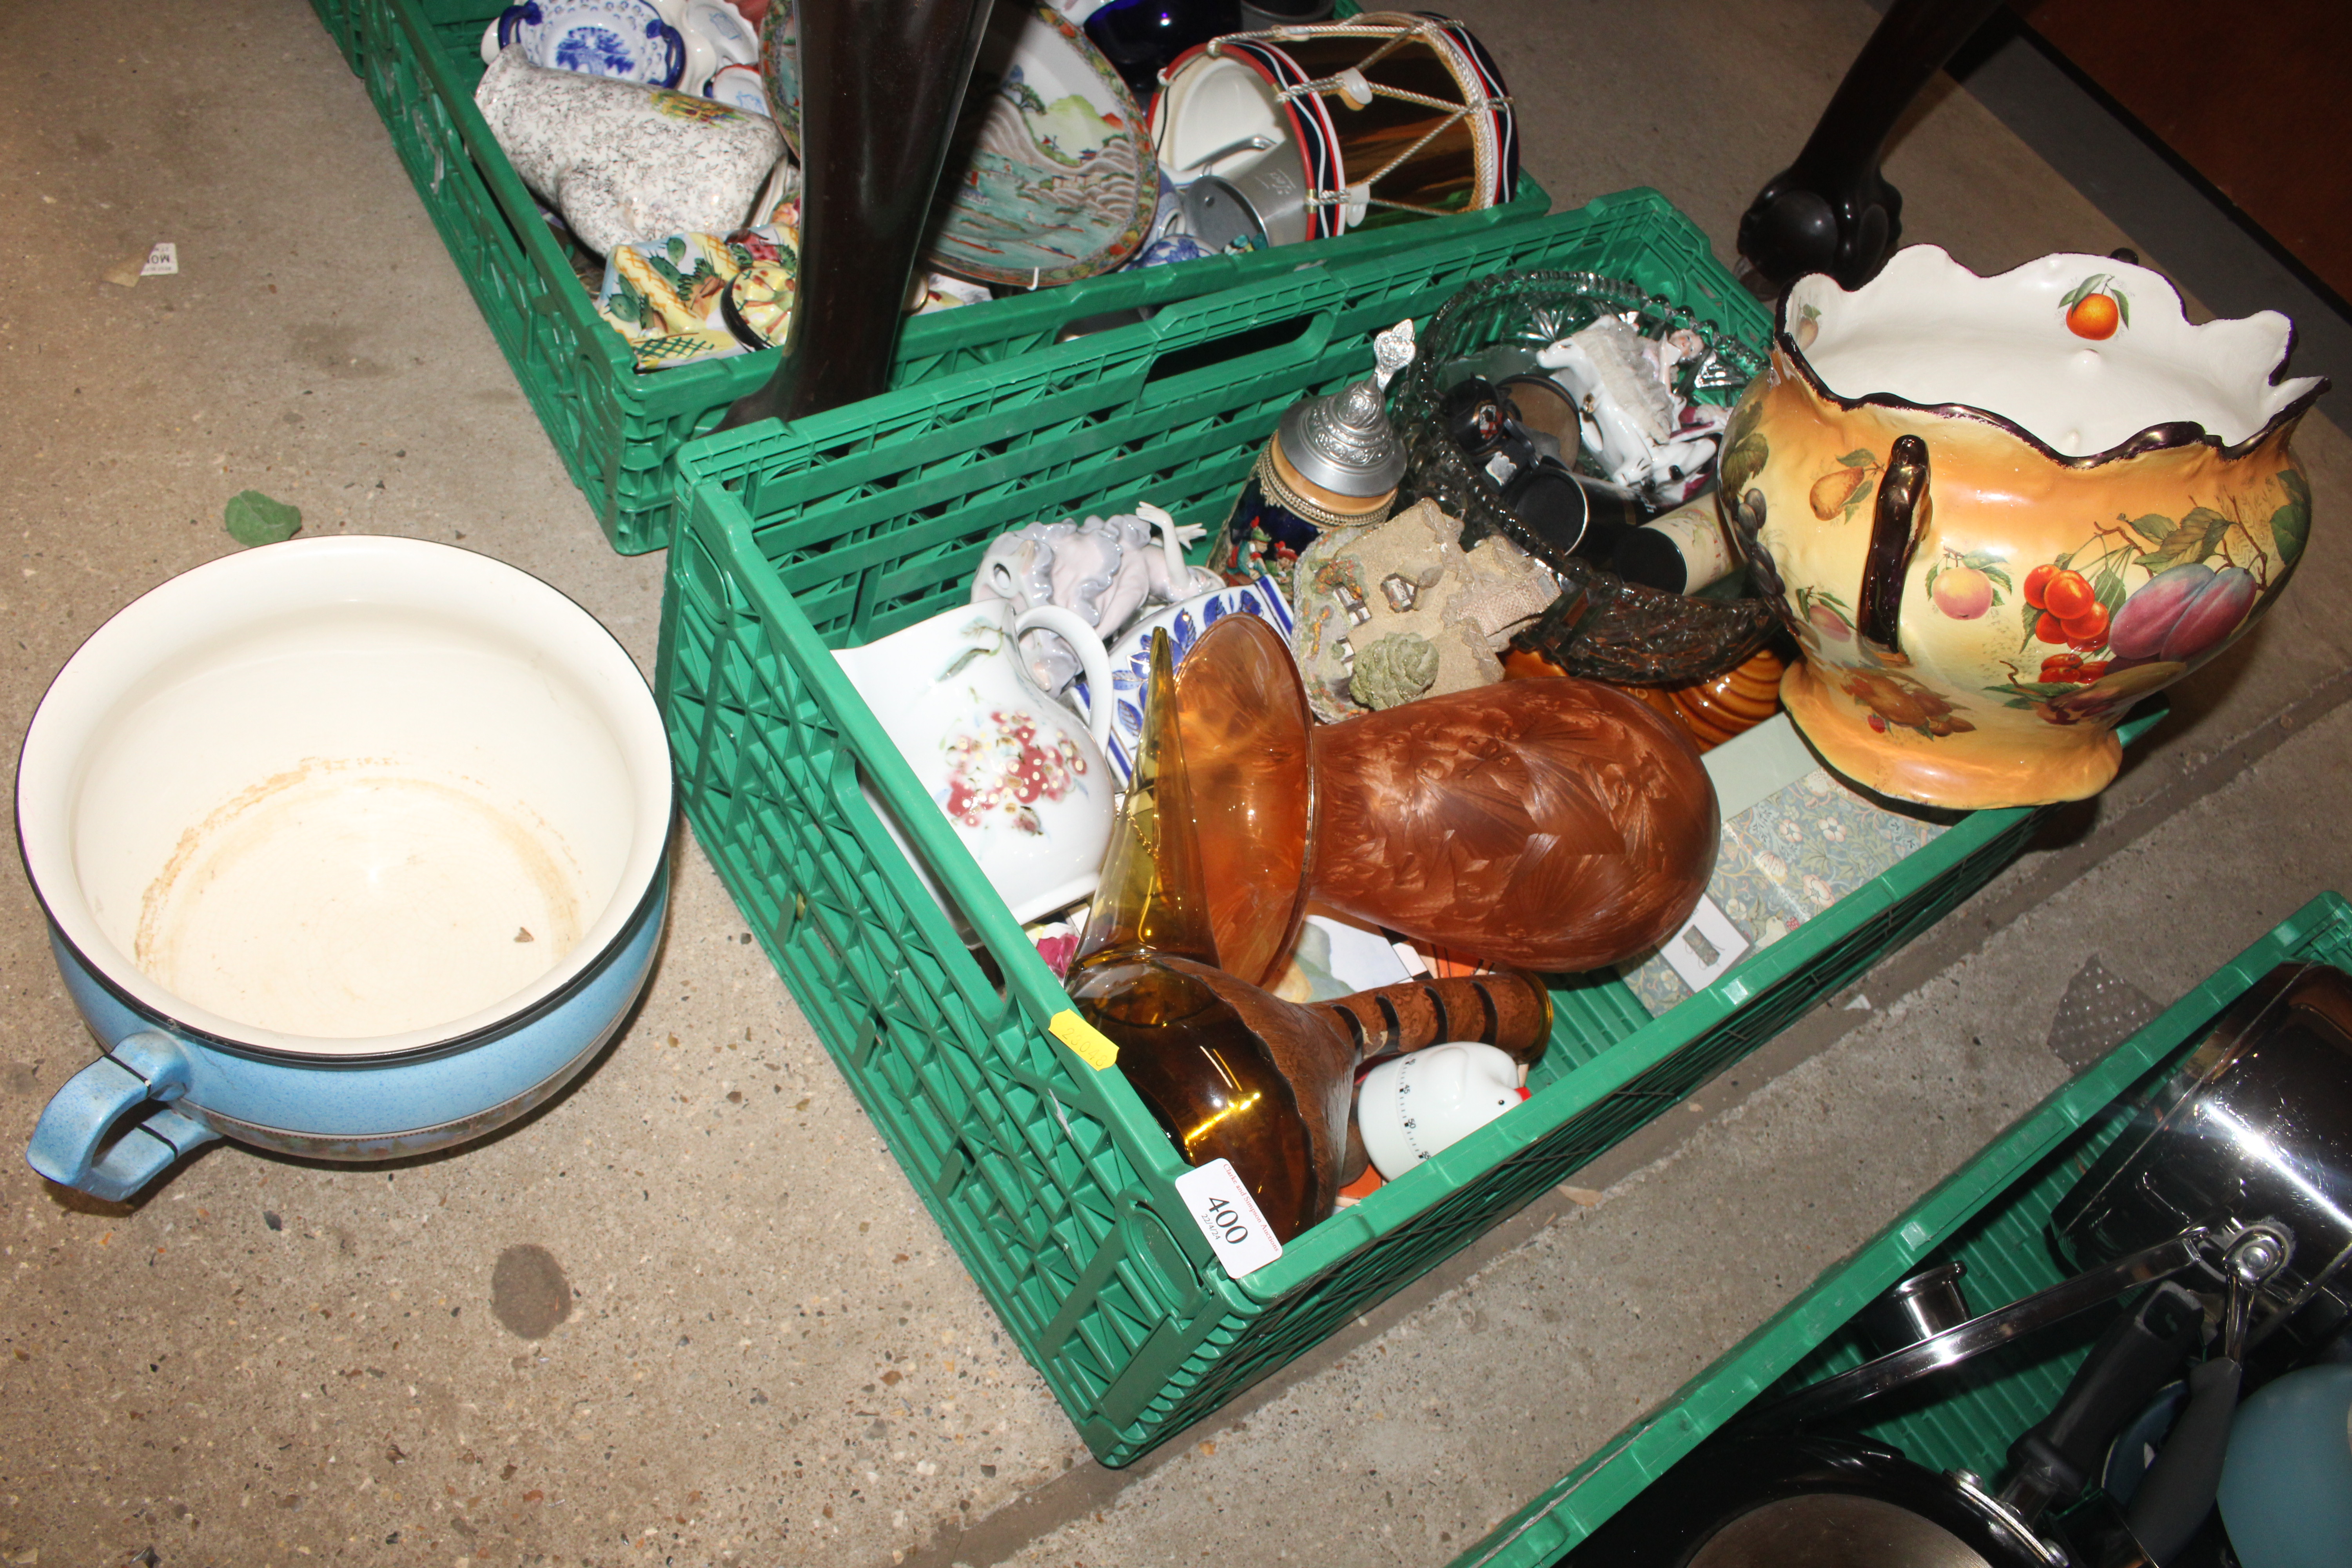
(883, 83)
(1831, 211)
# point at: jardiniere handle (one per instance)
(1896, 526)
(148, 1069)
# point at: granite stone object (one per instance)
(625, 164)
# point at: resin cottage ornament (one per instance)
(1999, 511)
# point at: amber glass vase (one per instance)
(1548, 823)
(1232, 1071)
(1236, 1073)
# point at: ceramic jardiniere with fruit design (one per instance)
(1998, 511)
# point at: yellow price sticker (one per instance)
(1094, 1046)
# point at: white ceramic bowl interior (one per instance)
(1930, 332)
(345, 796)
(1213, 103)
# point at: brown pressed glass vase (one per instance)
(1548, 824)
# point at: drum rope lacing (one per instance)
(1428, 33)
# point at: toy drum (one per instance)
(1305, 133)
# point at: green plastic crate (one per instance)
(619, 432)
(335, 15)
(1052, 1181)
(1990, 1216)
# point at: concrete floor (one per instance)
(768, 1354)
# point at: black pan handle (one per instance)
(1987, 1330)
(1896, 526)
(2138, 1355)
(2179, 1490)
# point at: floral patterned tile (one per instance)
(1783, 861)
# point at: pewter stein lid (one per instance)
(1343, 443)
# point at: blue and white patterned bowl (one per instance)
(739, 87)
(1130, 658)
(627, 39)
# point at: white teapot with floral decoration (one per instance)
(1998, 511)
(1020, 777)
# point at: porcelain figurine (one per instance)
(1104, 571)
(626, 164)
(1633, 427)
(1998, 511)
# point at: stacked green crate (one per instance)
(618, 431)
(1991, 1216)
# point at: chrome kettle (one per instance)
(2252, 1134)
